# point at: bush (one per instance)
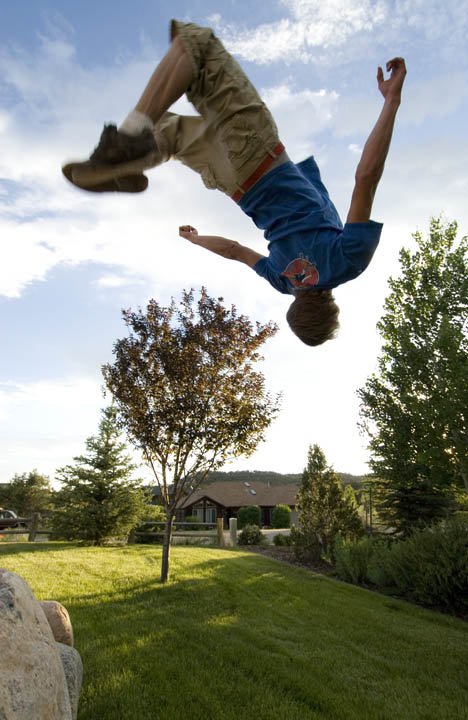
(251, 535)
(154, 512)
(282, 540)
(249, 515)
(191, 522)
(430, 567)
(156, 515)
(307, 546)
(281, 516)
(352, 559)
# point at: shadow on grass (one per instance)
(13, 548)
(237, 635)
(240, 636)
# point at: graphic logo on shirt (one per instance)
(302, 273)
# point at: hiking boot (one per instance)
(117, 155)
(126, 183)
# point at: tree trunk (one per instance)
(460, 450)
(167, 547)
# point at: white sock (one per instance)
(135, 123)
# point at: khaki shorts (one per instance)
(234, 133)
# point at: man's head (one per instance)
(313, 316)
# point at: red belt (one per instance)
(257, 174)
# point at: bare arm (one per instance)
(229, 249)
(371, 166)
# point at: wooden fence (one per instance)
(30, 525)
(182, 529)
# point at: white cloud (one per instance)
(44, 222)
(45, 423)
(338, 31)
(312, 24)
(300, 115)
(438, 97)
(115, 281)
(25, 259)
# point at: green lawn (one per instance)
(238, 636)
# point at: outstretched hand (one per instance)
(188, 232)
(391, 88)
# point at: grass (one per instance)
(235, 635)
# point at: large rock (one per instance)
(73, 668)
(59, 621)
(32, 678)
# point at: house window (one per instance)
(205, 514)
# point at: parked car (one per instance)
(9, 515)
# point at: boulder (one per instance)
(59, 621)
(32, 678)
(73, 668)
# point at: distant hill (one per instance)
(273, 478)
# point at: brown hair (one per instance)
(313, 316)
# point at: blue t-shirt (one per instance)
(308, 245)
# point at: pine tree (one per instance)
(98, 499)
(324, 509)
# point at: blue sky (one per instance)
(71, 260)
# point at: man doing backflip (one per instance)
(234, 145)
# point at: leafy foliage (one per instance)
(251, 535)
(281, 516)
(27, 493)
(429, 567)
(282, 540)
(187, 391)
(98, 499)
(323, 510)
(414, 409)
(249, 515)
(352, 558)
(154, 512)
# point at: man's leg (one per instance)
(167, 84)
(235, 136)
(122, 154)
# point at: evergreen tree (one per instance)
(415, 408)
(324, 509)
(27, 493)
(98, 499)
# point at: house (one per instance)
(223, 500)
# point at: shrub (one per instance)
(145, 537)
(249, 515)
(251, 535)
(307, 545)
(352, 558)
(192, 522)
(281, 516)
(430, 567)
(282, 540)
(156, 515)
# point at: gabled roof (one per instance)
(238, 494)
